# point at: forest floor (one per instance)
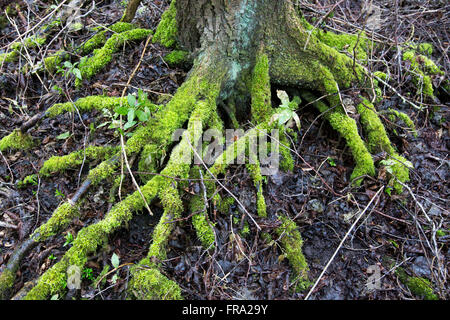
(397, 232)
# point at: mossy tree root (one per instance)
(196, 100)
(90, 66)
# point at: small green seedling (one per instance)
(52, 257)
(88, 273)
(285, 113)
(388, 190)
(59, 194)
(72, 69)
(115, 261)
(331, 162)
(57, 89)
(31, 179)
(69, 239)
(136, 111)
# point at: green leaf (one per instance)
(285, 115)
(68, 64)
(102, 125)
(115, 261)
(128, 125)
(63, 136)
(123, 110)
(283, 96)
(142, 96)
(297, 120)
(131, 114)
(77, 73)
(142, 116)
(131, 100)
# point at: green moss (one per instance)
(178, 166)
(423, 48)
(309, 62)
(348, 43)
(85, 105)
(52, 62)
(100, 37)
(255, 173)
(95, 235)
(103, 171)
(147, 162)
(224, 205)
(378, 141)
(150, 284)
(348, 129)
(9, 57)
(17, 140)
(417, 285)
(90, 66)
(260, 90)
(199, 220)
(422, 68)
(166, 32)
(405, 118)
(292, 243)
(377, 138)
(421, 287)
(89, 239)
(287, 161)
(59, 220)
(16, 47)
(7, 278)
(74, 159)
(176, 57)
(398, 170)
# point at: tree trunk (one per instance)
(233, 32)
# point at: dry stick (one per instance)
(319, 22)
(24, 247)
(342, 242)
(433, 248)
(7, 164)
(122, 144)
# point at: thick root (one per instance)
(53, 281)
(378, 140)
(59, 164)
(144, 280)
(292, 242)
(89, 67)
(166, 32)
